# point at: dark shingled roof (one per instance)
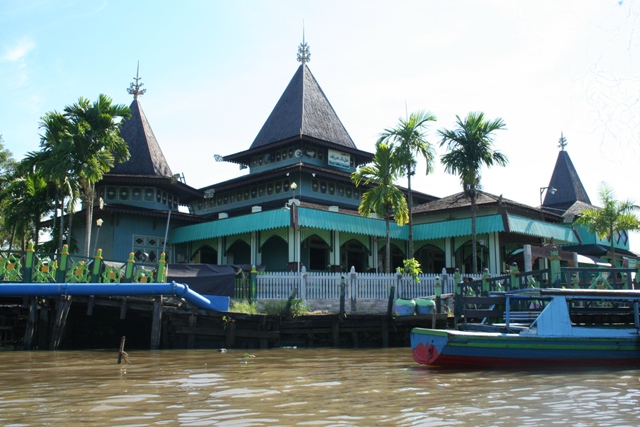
(460, 201)
(574, 210)
(146, 155)
(303, 109)
(569, 188)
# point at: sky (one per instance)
(214, 70)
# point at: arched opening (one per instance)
(354, 254)
(315, 253)
(206, 255)
(239, 253)
(431, 259)
(274, 254)
(464, 256)
(397, 256)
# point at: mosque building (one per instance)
(298, 207)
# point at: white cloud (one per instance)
(19, 51)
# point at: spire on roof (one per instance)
(569, 188)
(562, 142)
(134, 88)
(304, 55)
(147, 158)
(303, 109)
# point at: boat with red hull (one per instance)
(570, 327)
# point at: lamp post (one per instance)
(481, 242)
(99, 222)
(296, 245)
(542, 190)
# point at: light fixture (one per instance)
(99, 222)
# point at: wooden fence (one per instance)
(326, 286)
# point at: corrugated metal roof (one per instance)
(327, 220)
(312, 218)
(532, 227)
(457, 227)
(226, 227)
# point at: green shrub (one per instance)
(298, 307)
(244, 306)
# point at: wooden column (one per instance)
(156, 325)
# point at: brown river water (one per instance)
(300, 387)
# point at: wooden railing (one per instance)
(553, 277)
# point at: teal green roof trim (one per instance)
(327, 220)
(457, 227)
(227, 227)
(532, 227)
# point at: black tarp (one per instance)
(205, 279)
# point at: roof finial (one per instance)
(304, 55)
(562, 142)
(134, 88)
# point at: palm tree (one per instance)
(470, 146)
(409, 142)
(614, 216)
(96, 145)
(27, 200)
(383, 197)
(7, 166)
(55, 163)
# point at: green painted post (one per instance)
(575, 281)
(128, 272)
(162, 268)
(438, 291)
(555, 273)
(253, 278)
(97, 263)
(28, 266)
(513, 277)
(485, 282)
(457, 308)
(62, 264)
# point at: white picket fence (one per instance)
(326, 286)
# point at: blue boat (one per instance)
(559, 326)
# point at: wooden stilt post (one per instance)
(31, 323)
(90, 304)
(64, 303)
(342, 297)
(43, 324)
(231, 334)
(122, 353)
(156, 325)
(123, 308)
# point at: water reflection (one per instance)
(321, 387)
